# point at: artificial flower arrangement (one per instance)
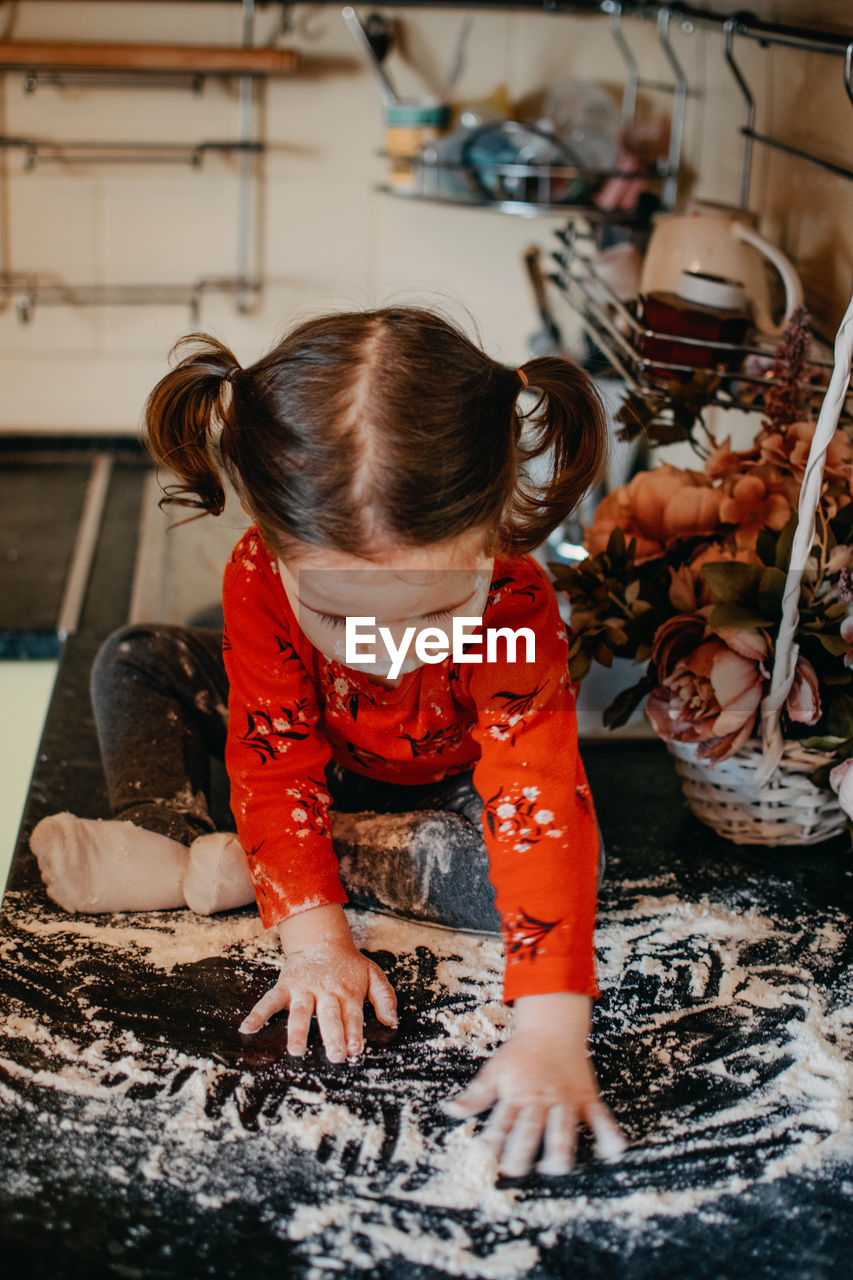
(686, 571)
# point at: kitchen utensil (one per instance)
(443, 173)
(458, 65)
(719, 240)
(711, 291)
(493, 149)
(586, 120)
(548, 340)
(672, 317)
(412, 125)
(386, 89)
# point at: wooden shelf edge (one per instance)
(28, 55)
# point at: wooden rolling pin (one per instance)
(212, 59)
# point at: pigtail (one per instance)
(568, 423)
(180, 417)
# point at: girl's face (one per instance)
(416, 587)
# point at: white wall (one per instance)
(326, 238)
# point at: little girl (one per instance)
(380, 457)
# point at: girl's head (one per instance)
(369, 433)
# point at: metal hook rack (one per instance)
(29, 291)
(41, 77)
(634, 81)
(38, 151)
(738, 24)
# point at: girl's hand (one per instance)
(326, 974)
(541, 1084)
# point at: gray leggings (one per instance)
(160, 696)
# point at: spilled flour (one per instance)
(722, 1042)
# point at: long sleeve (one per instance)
(276, 752)
(538, 818)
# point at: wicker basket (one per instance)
(787, 809)
(762, 794)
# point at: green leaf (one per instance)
(770, 591)
(616, 543)
(580, 665)
(731, 580)
(839, 717)
(737, 615)
(625, 703)
(833, 644)
(783, 544)
(765, 546)
(843, 747)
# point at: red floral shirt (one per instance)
(292, 709)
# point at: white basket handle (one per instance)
(787, 651)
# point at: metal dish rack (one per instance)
(494, 185)
(526, 190)
(614, 327)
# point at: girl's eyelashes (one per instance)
(335, 620)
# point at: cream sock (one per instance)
(103, 865)
(217, 877)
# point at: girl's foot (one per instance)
(96, 865)
(217, 877)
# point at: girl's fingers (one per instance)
(523, 1140)
(299, 1023)
(610, 1141)
(354, 1027)
(479, 1096)
(381, 995)
(499, 1126)
(331, 1027)
(558, 1157)
(273, 1002)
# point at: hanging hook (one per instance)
(629, 90)
(729, 28)
(679, 102)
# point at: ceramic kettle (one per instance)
(719, 240)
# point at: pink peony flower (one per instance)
(803, 701)
(841, 781)
(710, 695)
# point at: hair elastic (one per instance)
(232, 374)
(523, 377)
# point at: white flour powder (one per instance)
(711, 994)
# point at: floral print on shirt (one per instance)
(292, 711)
(520, 818)
(269, 736)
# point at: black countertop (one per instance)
(140, 1135)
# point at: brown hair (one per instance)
(385, 426)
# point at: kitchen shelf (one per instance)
(149, 59)
(729, 376)
(28, 291)
(155, 66)
(525, 190)
(517, 208)
(43, 151)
